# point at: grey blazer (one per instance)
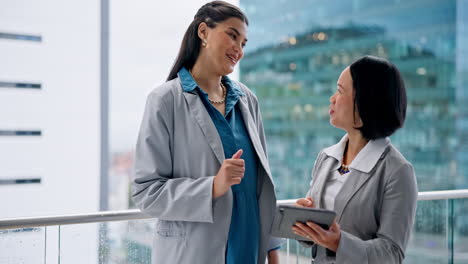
(178, 153)
(375, 207)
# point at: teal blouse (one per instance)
(244, 232)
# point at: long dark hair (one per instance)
(211, 13)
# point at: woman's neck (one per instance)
(356, 142)
(207, 80)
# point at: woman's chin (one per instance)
(333, 123)
(228, 70)
(228, 67)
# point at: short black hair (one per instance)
(379, 95)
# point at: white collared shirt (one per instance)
(364, 161)
(332, 188)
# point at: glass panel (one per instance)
(428, 241)
(461, 231)
(111, 242)
(131, 241)
(79, 243)
(26, 246)
(297, 253)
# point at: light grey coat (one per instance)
(177, 155)
(375, 207)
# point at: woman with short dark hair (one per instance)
(379, 95)
(363, 178)
(200, 163)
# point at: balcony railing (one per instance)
(440, 235)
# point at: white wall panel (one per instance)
(66, 109)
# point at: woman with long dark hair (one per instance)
(201, 165)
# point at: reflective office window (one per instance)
(297, 50)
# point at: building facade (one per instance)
(50, 125)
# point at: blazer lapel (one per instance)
(321, 177)
(351, 186)
(199, 113)
(365, 162)
(252, 129)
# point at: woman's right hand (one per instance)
(305, 202)
(231, 173)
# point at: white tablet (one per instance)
(287, 215)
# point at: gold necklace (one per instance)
(343, 169)
(214, 101)
(224, 96)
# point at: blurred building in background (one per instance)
(295, 54)
(297, 51)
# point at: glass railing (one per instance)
(440, 235)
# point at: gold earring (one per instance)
(204, 43)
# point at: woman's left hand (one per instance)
(326, 238)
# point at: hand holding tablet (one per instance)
(287, 215)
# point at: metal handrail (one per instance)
(136, 214)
